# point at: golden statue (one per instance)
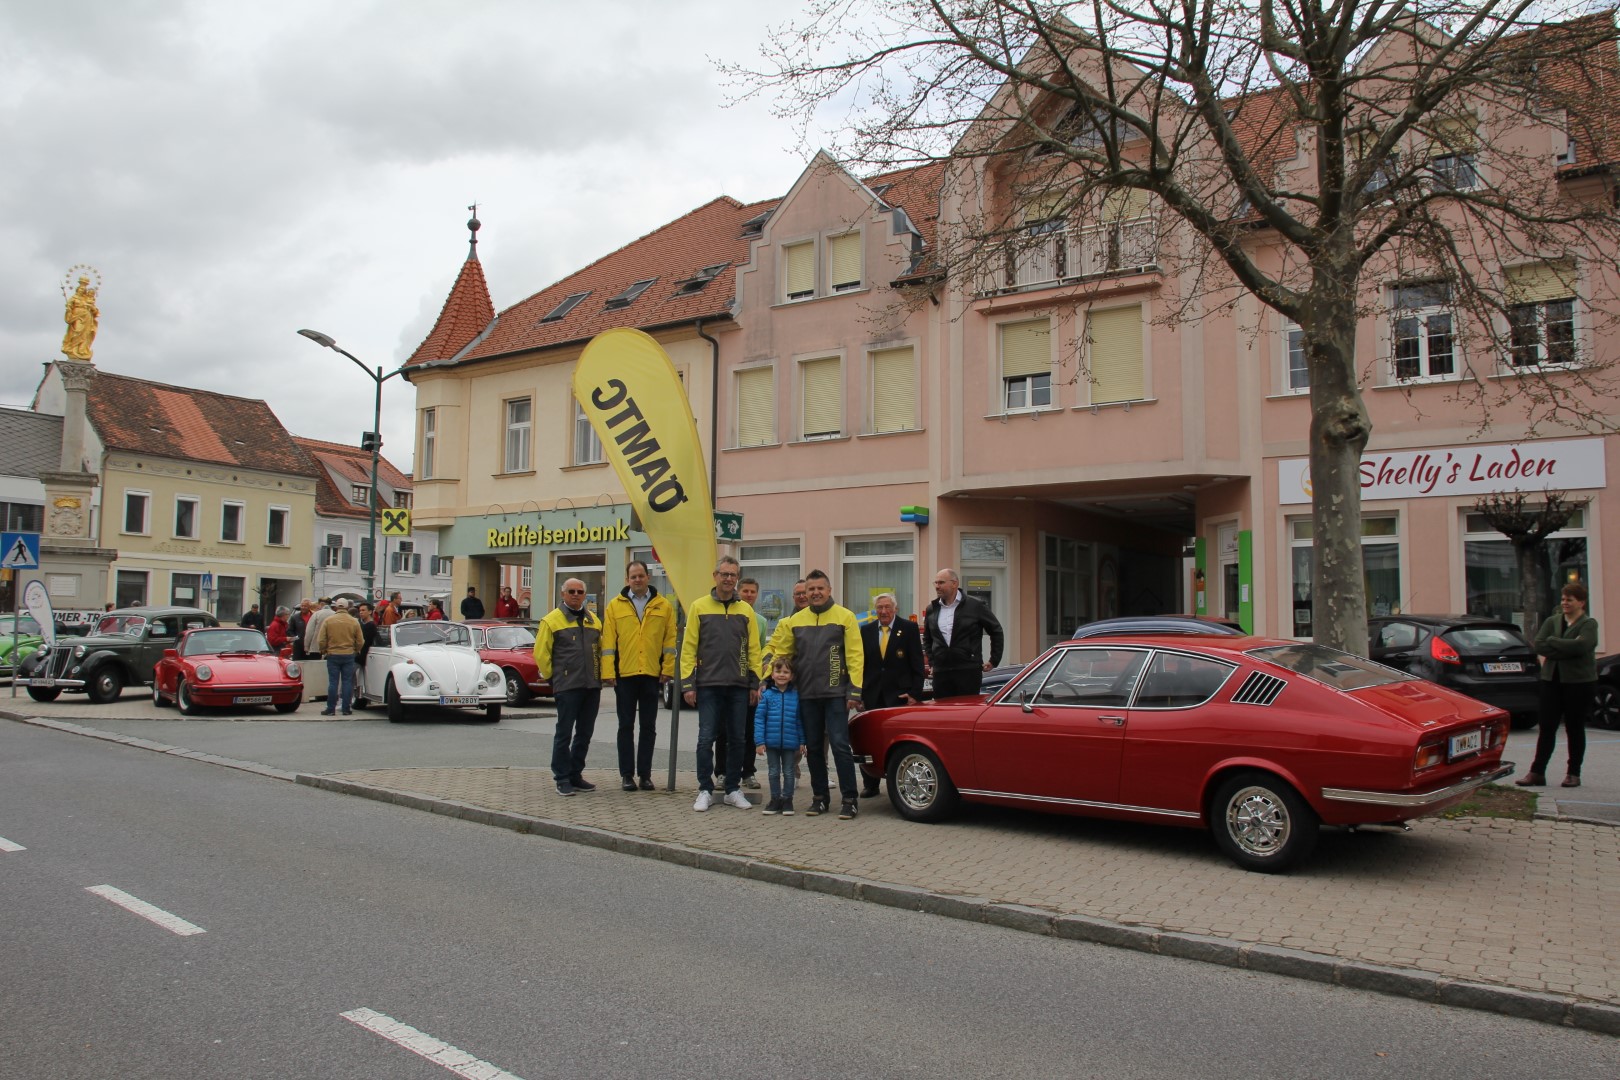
(81, 316)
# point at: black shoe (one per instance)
(647, 784)
(818, 805)
(564, 788)
(629, 783)
(773, 807)
(869, 793)
(848, 811)
(582, 784)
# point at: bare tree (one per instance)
(1302, 152)
(1527, 526)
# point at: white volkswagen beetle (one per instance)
(423, 662)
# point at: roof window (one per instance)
(695, 283)
(569, 303)
(628, 297)
(755, 225)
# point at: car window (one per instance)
(1099, 677)
(1178, 681)
(1486, 639)
(223, 641)
(19, 625)
(125, 625)
(1340, 670)
(1397, 635)
(160, 628)
(424, 632)
(510, 637)
(1031, 680)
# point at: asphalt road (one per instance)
(545, 959)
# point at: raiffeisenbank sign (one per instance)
(540, 534)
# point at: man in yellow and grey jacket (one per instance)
(720, 675)
(568, 651)
(638, 656)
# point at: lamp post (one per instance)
(379, 378)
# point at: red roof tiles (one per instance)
(467, 310)
(351, 465)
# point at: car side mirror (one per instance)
(1023, 701)
(170, 654)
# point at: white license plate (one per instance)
(255, 699)
(459, 699)
(1503, 668)
(47, 681)
(1468, 742)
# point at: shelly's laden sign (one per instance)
(1561, 465)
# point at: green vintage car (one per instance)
(19, 637)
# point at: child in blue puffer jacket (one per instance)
(778, 736)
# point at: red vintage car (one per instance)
(220, 666)
(1259, 740)
(510, 647)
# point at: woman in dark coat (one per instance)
(1567, 645)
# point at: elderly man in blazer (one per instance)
(894, 665)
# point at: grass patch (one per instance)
(1495, 800)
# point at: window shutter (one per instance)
(1454, 136)
(1540, 282)
(756, 412)
(823, 397)
(416, 564)
(1125, 204)
(844, 261)
(393, 562)
(1116, 354)
(799, 269)
(1042, 208)
(367, 553)
(1026, 348)
(894, 395)
(348, 558)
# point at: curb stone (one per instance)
(148, 744)
(1269, 959)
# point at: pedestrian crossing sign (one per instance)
(19, 551)
(396, 521)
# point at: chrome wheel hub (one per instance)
(916, 782)
(1257, 821)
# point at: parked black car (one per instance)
(1606, 704)
(122, 651)
(996, 678)
(1485, 658)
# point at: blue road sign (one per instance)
(19, 551)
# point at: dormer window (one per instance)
(628, 297)
(695, 283)
(755, 225)
(569, 303)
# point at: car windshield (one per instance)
(1340, 670)
(425, 632)
(212, 642)
(125, 625)
(509, 637)
(13, 624)
(1487, 639)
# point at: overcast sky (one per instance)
(238, 171)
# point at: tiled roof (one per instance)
(1580, 75)
(467, 310)
(191, 425)
(916, 191)
(33, 442)
(351, 465)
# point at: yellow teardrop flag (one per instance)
(633, 397)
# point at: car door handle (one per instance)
(1116, 721)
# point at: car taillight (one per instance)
(1429, 755)
(1443, 652)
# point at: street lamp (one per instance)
(376, 445)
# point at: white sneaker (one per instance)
(704, 801)
(737, 799)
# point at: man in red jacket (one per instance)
(506, 607)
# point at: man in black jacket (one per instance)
(954, 631)
(894, 666)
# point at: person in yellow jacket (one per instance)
(568, 651)
(638, 657)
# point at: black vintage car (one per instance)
(121, 651)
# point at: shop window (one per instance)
(776, 567)
(185, 590)
(1066, 584)
(878, 565)
(131, 588)
(756, 406)
(1380, 567)
(228, 606)
(1491, 568)
(1421, 338)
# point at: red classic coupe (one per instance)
(510, 647)
(1259, 740)
(220, 666)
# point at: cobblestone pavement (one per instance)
(1519, 904)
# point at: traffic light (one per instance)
(370, 440)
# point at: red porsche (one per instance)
(1260, 740)
(225, 666)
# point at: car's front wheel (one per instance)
(517, 691)
(105, 686)
(919, 787)
(1606, 706)
(182, 695)
(288, 706)
(492, 713)
(1262, 823)
(44, 693)
(396, 707)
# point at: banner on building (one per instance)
(1543, 465)
(633, 397)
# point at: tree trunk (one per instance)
(1533, 588)
(1339, 431)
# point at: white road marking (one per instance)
(423, 1045)
(169, 922)
(7, 845)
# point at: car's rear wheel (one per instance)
(517, 691)
(396, 707)
(1262, 823)
(1606, 706)
(492, 713)
(288, 706)
(105, 686)
(44, 693)
(919, 787)
(182, 695)
(157, 694)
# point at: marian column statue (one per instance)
(80, 316)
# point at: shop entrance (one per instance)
(590, 567)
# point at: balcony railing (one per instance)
(1048, 253)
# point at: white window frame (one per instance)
(587, 444)
(1296, 369)
(1028, 388)
(1006, 385)
(241, 521)
(146, 513)
(517, 436)
(430, 438)
(905, 580)
(196, 517)
(441, 565)
(1420, 315)
(1292, 538)
(284, 515)
(802, 367)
